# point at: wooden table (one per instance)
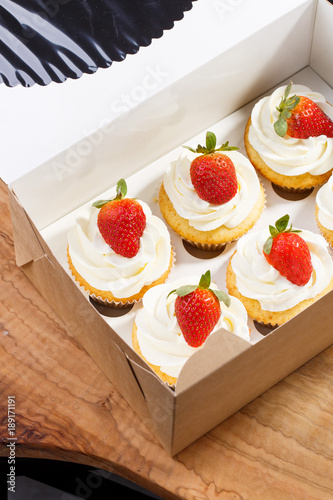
(278, 447)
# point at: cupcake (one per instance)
(324, 210)
(289, 138)
(117, 249)
(278, 273)
(211, 196)
(176, 318)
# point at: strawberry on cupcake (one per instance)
(278, 272)
(211, 195)
(289, 138)
(121, 222)
(117, 249)
(176, 319)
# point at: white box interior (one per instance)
(60, 190)
(230, 128)
(255, 61)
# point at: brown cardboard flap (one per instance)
(28, 243)
(252, 372)
(220, 348)
(160, 401)
(89, 328)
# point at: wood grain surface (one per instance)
(280, 446)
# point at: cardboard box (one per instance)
(228, 372)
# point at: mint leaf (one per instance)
(100, 203)
(205, 280)
(273, 231)
(210, 141)
(268, 245)
(222, 296)
(226, 147)
(282, 223)
(191, 149)
(121, 189)
(185, 290)
(281, 126)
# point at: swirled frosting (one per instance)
(206, 216)
(287, 155)
(104, 269)
(324, 201)
(160, 338)
(257, 279)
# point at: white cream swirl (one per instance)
(324, 201)
(104, 269)
(206, 216)
(160, 338)
(257, 279)
(287, 155)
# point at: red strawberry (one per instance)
(301, 118)
(121, 222)
(213, 174)
(198, 309)
(287, 252)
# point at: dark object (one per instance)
(82, 481)
(51, 40)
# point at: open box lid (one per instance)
(170, 117)
(52, 118)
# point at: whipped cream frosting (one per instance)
(206, 216)
(160, 338)
(257, 279)
(287, 155)
(324, 201)
(104, 269)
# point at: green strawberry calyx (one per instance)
(281, 226)
(285, 107)
(211, 145)
(204, 284)
(121, 193)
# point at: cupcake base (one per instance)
(295, 184)
(327, 233)
(106, 297)
(215, 239)
(269, 318)
(157, 369)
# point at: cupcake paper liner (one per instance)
(115, 303)
(206, 246)
(266, 325)
(292, 190)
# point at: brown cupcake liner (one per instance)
(112, 303)
(268, 326)
(286, 189)
(206, 246)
